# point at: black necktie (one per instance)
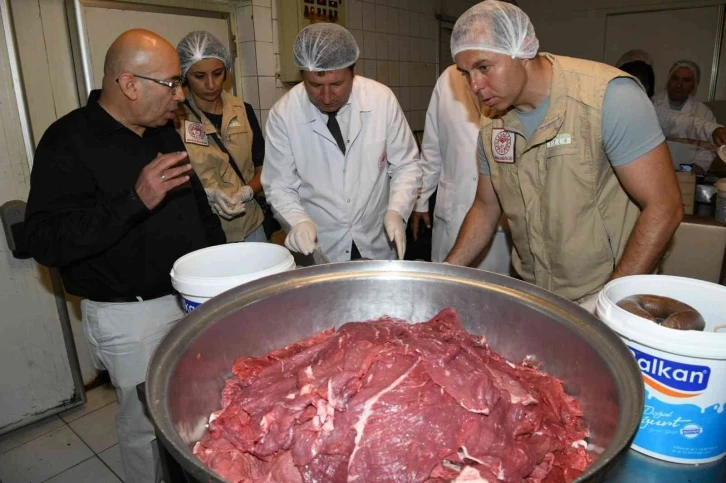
(334, 128)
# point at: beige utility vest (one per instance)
(212, 166)
(569, 216)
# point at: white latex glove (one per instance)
(302, 238)
(396, 231)
(223, 205)
(246, 194)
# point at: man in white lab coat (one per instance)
(449, 162)
(341, 167)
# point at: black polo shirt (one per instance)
(83, 215)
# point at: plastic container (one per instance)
(684, 371)
(205, 273)
(720, 213)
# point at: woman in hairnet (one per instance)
(679, 96)
(574, 157)
(675, 124)
(222, 137)
(342, 166)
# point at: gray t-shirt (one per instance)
(630, 127)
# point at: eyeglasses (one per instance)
(174, 84)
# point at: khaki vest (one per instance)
(212, 165)
(569, 216)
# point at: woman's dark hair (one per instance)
(643, 72)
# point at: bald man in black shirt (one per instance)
(113, 203)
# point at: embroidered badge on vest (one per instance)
(561, 139)
(194, 133)
(503, 146)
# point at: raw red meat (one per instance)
(388, 401)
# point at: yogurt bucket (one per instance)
(684, 371)
(203, 274)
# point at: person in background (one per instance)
(679, 95)
(675, 124)
(575, 159)
(111, 206)
(342, 168)
(222, 137)
(449, 163)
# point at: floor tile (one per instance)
(28, 433)
(97, 398)
(43, 457)
(90, 471)
(112, 458)
(98, 429)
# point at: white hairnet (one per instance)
(692, 66)
(495, 26)
(200, 45)
(634, 55)
(325, 46)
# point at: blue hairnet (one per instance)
(200, 45)
(323, 47)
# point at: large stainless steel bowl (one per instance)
(187, 371)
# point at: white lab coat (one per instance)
(449, 162)
(682, 153)
(307, 177)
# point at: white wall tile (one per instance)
(393, 47)
(426, 6)
(354, 15)
(381, 2)
(393, 3)
(369, 17)
(382, 71)
(415, 49)
(413, 77)
(404, 98)
(394, 73)
(359, 39)
(262, 19)
(248, 60)
(404, 54)
(403, 22)
(245, 29)
(381, 46)
(275, 38)
(396, 92)
(268, 92)
(371, 69)
(360, 67)
(265, 58)
(369, 45)
(391, 22)
(413, 24)
(251, 91)
(381, 18)
(404, 68)
(262, 3)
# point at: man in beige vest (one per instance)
(575, 158)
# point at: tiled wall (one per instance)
(398, 40)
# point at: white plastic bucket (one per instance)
(205, 273)
(684, 371)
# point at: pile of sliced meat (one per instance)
(388, 401)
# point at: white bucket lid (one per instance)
(211, 271)
(708, 298)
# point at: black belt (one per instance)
(122, 299)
